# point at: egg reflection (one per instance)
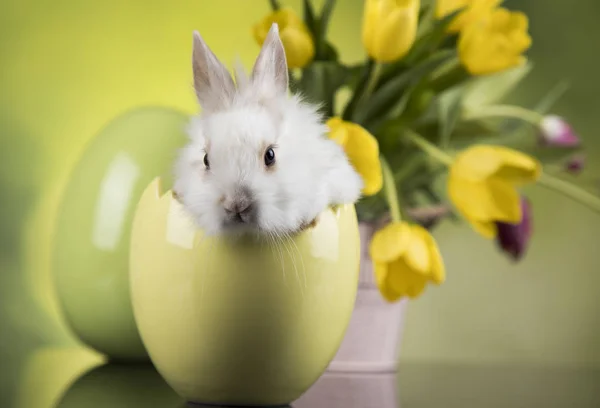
(120, 385)
(49, 371)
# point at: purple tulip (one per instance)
(514, 238)
(575, 164)
(555, 131)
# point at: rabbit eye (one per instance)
(269, 157)
(206, 164)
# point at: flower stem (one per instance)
(274, 5)
(570, 190)
(375, 75)
(453, 73)
(428, 147)
(505, 111)
(391, 194)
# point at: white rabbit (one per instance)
(258, 159)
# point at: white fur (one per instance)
(311, 171)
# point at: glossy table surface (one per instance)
(71, 378)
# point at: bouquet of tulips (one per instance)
(426, 126)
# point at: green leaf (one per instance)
(424, 11)
(384, 98)
(326, 12)
(417, 181)
(399, 118)
(467, 133)
(359, 89)
(329, 52)
(552, 97)
(426, 198)
(449, 75)
(430, 40)
(320, 80)
(354, 74)
(275, 5)
(309, 17)
(371, 208)
(399, 108)
(323, 49)
(490, 89)
(449, 110)
(434, 198)
(293, 83)
(424, 45)
(413, 164)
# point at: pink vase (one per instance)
(352, 390)
(372, 341)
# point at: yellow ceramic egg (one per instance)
(240, 322)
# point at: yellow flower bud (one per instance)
(495, 42)
(405, 258)
(482, 184)
(473, 10)
(362, 150)
(295, 36)
(389, 28)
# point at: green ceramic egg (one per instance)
(91, 245)
(241, 322)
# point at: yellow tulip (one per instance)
(362, 150)
(473, 10)
(295, 36)
(483, 182)
(405, 258)
(495, 42)
(389, 28)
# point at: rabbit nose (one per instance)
(238, 207)
(239, 204)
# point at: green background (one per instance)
(68, 67)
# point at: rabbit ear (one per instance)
(270, 68)
(213, 84)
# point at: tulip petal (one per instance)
(495, 42)
(481, 162)
(371, 17)
(437, 271)
(445, 7)
(487, 229)
(514, 238)
(363, 151)
(555, 131)
(473, 11)
(298, 45)
(389, 28)
(406, 272)
(396, 35)
(390, 242)
(337, 131)
(490, 200)
(417, 254)
(381, 274)
(405, 281)
(295, 36)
